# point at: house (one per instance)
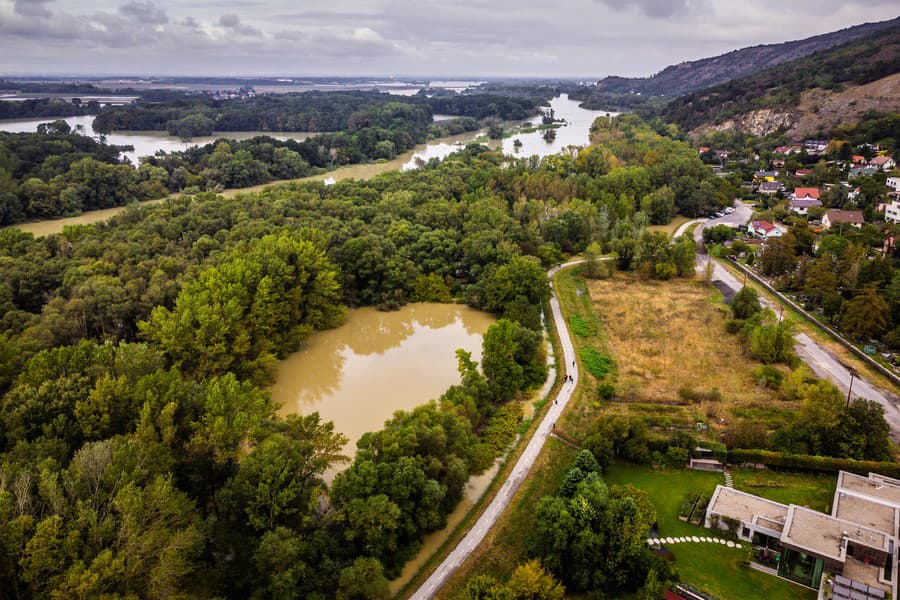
(801, 206)
(855, 546)
(836, 216)
(703, 149)
(771, 187)
(813, 146)
(761, 176)
(862, 171)
(858, 160)
(764, 230)
(778, 163)
(885, 163)
(893, 183)
(806, 193)
(802, 172)
(783, 150)
(892, 211)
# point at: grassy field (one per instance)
(669, 343)
(715, 568)
(672, 226)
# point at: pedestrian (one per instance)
(573, 364)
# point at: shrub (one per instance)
(605, 391)
(768, 376)
(597, 364)
(734, 326)
(806, 462)
(579, 326)
(676, 457)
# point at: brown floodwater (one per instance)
(376, 363)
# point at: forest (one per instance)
(140, 453)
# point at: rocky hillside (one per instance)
(699, 74)
(801, 96)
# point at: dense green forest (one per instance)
(139, 452)
(308, 111)
(46, 107)
(858, 62)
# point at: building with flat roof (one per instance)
(856, 543)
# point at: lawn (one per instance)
(711, 567)
(672, 227)
(804, 489)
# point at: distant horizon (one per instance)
(471, 39)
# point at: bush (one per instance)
(689, 394)
(597, 364)
(676, 457)
(734, 326)
(579, 326)
(605, 391)
(768, 376)
(819, 464)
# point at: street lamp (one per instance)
(849, 389)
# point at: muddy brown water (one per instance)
(376, 363)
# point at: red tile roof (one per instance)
(805, 192)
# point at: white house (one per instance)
(892, 212)
(835, 216)
(885, 163)
(893, 183)
(765, 230)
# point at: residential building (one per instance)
(764, 230)
(805, 193)
(858, 160)
(855, 546)
(885, 163)
(813, 146)
(761, 176)
(801, 206)
(892, 211)
(862, 171)
(771, 187)
(802, 172)
(893, 183)
(836, 216)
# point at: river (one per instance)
(575, 131)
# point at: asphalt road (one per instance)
(475, 535)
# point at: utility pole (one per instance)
(849, 389)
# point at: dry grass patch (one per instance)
(668, 338)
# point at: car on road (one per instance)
(729, 210)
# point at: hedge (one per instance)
(805, 462)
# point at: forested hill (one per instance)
(695, 75)
(804, 95)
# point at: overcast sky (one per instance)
(561, 38)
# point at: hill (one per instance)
(802, 96)
(696, 75)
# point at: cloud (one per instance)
(32, 8)
(659, 8)
(232, 22)
(144, 12)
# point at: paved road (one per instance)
(823, 363)
(440, 576)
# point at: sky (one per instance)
(452, 38)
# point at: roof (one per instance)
(782, 149)
(735, 504)
(766, 174)
(806, 192)
(805, 202)
(824, 535)
(764, 225)
(771, 186)
(844, 216)
(880, 488)
(880, 160)
(802, 172)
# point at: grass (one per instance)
(715, 568)
(669, 344)
(673, 225)
(804, 489)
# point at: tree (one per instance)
(531, 582)
(867, 315)
(659, 206)
(512, 360)
(363, 580)
(517, 290)
(779, 256)
(745, 303)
